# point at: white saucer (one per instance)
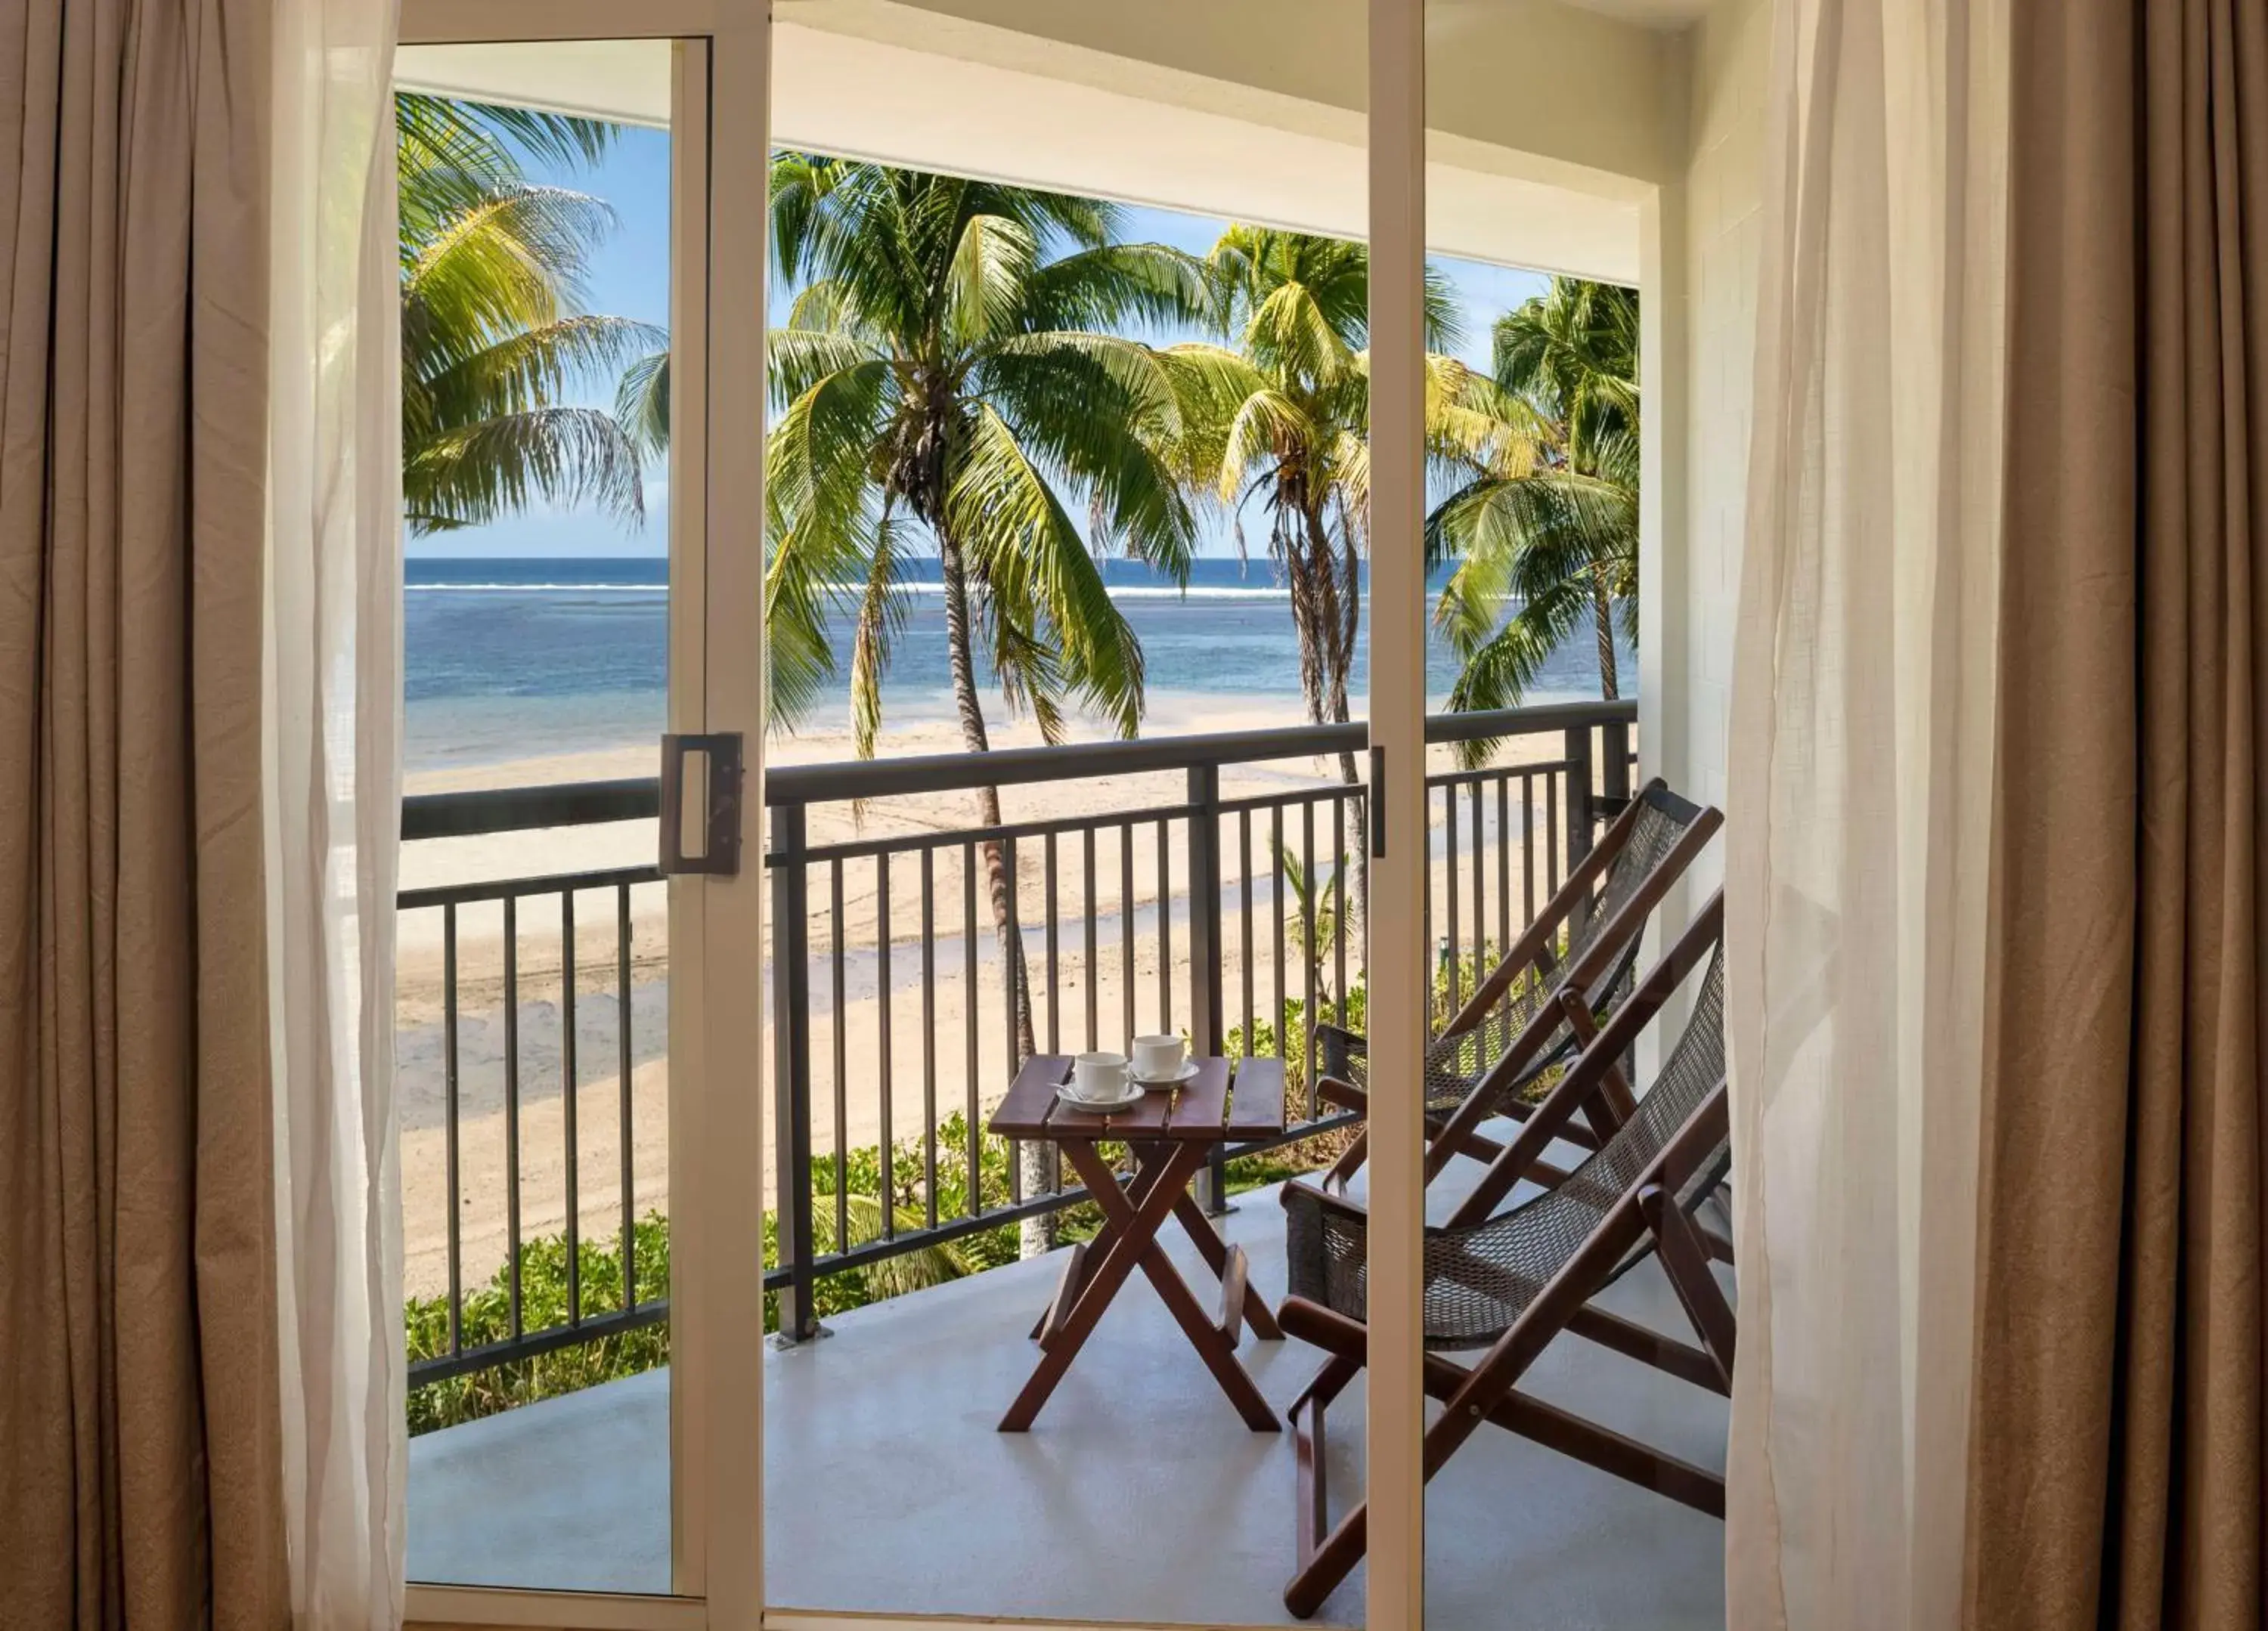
(1100, 1106)
(1187, 1073)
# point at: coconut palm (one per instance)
(1550, 526)
(954, 375)
(493, 338)
(1280, 416)
(1313, 923)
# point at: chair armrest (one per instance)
(1346, 1095)
(1297, 1192)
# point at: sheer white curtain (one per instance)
(1860, 750)
(333, 786)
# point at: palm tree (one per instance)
(1281, 415)
(492, 334)
(955, 370)
(1551, 521)
(1312, 912)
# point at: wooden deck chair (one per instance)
(1512, 1282)
(1514, 1026)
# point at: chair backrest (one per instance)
(1662, 818)
(1478, 1276)
(1694, 1069)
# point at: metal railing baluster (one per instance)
(1310, 967)
(567, 1106)
(453, 1109)
(973, 1113)
(840, 1037)
(512, 1106)
(1594, 762)
(1165, 929)
(1092, 973)
(790, 958)
(1276, 889)
(1503, 929)
(1012, 954)
(1244, 869)
(1456, 944)
(1126, 925)
(887, 1146)
(1339, 926)
(929, 1033)
(1480, 887)
(624, 1057)
(1055, 972)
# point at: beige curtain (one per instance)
(333, 807)
(2119, 1452)
(1860, 819)
(138, 1423)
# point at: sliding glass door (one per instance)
(767, 1275)
(578, 1033)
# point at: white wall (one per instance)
(1591, 87)
(1722, 200)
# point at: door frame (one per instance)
(717, 683)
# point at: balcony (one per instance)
(1197, 893)
(890, 1492)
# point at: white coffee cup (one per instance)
(1100, 1077)
(1157, 1058)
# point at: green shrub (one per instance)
(543, 1262)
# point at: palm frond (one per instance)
(472, 474)
(1036, 576)
(642, 403)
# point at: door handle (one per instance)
(720, 849)
(1378, 804)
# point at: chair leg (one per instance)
(1311, 1452)
(1677, 1244)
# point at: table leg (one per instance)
(1147, 1166)
(1138, 1239)
(1137, 1227)
(1214, 1250)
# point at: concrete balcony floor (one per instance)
(1138, 1497)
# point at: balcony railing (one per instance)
(1114, 890)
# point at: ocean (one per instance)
(508, 659)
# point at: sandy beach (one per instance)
(897, 1046)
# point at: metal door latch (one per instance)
(720, 851)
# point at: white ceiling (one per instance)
(1287, 163)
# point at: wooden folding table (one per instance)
(1171, 1133)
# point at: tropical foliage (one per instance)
(1549, 525)
(494, 337)
(1279, 415)
(486, 1317)
(957, 368)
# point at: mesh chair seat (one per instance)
(1455, 1060)
(1478, 1280)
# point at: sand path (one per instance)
(877, 1020)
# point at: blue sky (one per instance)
(628, 276)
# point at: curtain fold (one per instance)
(1858, 825)
(333, 718)
(2119, 1455)
(139, 1425)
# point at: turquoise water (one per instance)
(514, 658)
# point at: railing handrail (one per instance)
(579, 803)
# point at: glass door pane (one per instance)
(541, 231)
(1575, 1475)
(1068, 585)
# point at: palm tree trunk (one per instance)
(1035, 1161)
(1343, 640)
(1602, 613)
